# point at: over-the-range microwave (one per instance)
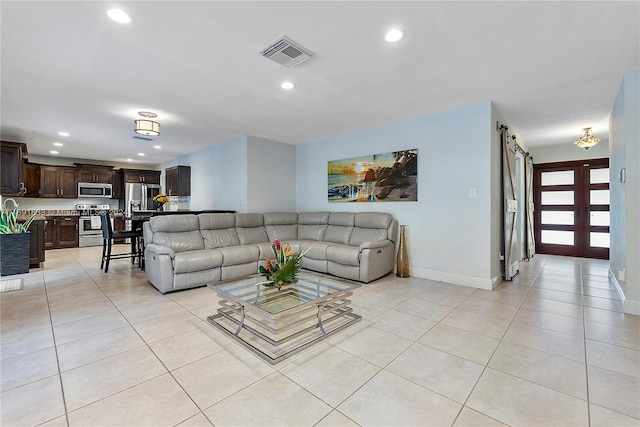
(91, 189)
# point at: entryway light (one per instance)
(394, 35)
(287, 85)
(119, 15)
(587, 140)
(147, 127)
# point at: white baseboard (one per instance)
(629, 306)
(456, 279)
(632, 307)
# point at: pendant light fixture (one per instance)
(587, 140)
(145, 126)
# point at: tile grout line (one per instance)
(55, 348)
(484, 369)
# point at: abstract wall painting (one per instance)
(386, 177)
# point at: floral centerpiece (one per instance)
(159, 200)
(284, 267)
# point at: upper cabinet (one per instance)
(59, 181)
(178, 181)
(141, 176)
(31, 179)
(95, 173)
(11, 168)
(124, 176)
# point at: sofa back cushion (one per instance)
(250, 228)
(218, 230)
(312, 225)
(281, 225)
(340, 227)
(370, 227)
(178, 232)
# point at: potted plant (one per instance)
(14, 240)
(159, 200)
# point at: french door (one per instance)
(572, 208)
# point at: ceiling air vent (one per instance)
(286, 52)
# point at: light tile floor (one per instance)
(84, 348)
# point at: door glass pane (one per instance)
(557, 237)
(557, 178)
(598, 218)
(598, 197)
(599, 176)
(557, 217)
(558, 197)
(599, 240)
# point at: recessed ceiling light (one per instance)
(129, 160)
(287, 85)
(63, 133)
(53, 152)
(58, 144)
(140, 154)
(157, 147)
(119, 15)
(394, 35)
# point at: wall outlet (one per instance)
(622, 275)
(472, 193)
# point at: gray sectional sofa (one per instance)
(186, 251)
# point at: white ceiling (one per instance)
(551, 68)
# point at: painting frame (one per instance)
(383, 177)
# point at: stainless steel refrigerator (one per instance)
(139, 197)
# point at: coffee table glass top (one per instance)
(309, 288)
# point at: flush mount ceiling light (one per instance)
(394, 35)
(157, 147)
(287, 85)
(58, 144)
(147, 127)
(63, 133)
(53, 152)
(119, 15)
(587, 140)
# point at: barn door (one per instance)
(530, 237)
(510, 207)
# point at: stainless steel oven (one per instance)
(90, 226)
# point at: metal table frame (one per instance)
(277, 323)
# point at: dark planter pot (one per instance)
(14, 253)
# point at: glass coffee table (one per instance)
(278, 323)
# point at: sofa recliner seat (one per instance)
(186, 251)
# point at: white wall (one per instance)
(218, 176)
(450, 235)
(624, 149)
(568, 151)
(271, 176)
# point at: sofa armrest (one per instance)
(373, 245)
(160, 250)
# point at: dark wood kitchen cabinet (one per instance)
(141, 176)
(95, 173)
(58, 181)
(31, 179)
(178, 181)
(36, 249)
(61, 232)
(11, 154)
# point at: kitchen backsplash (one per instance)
(61, 205)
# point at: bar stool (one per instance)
(108, 236)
